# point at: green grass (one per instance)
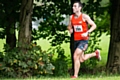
(104, 44)
(84, 77)
(2, 41)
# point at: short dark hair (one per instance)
(80, 4)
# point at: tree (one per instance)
(8, 18)
(113, 62)
(25, 29)
(51, 28)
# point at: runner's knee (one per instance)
(76, 56)
(82, 59)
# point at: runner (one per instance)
(78, 25)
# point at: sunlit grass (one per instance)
(104, 44)
(2, 41)
(82, 77)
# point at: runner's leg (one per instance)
(90, 55)
(77, 54)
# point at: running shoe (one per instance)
(98, 56)
(73, 77)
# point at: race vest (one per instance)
(79, 27)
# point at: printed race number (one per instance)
(78, 28)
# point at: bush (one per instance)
(61, 62)
(30, 63)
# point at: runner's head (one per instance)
(77, 6)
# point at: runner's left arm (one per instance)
(90, 22)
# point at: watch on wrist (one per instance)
(88, 32)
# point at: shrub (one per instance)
(30, 63)
(61, 62)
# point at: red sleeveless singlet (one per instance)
(79, 27)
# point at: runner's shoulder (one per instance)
(71, 16)
(85, 16)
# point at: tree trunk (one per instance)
(24, 37)
(72, 44)
(10, 33)
(113, 62)
(72, 41)
(9, 24)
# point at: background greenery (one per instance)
(51, 55)
(45, 45)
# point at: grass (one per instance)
(84, 77)
(90, 77)
(2, 41)
(104, 44)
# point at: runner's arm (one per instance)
(90, 22)
(70, 29)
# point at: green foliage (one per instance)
(103, 23)
(15, 63)
(24, 64)
(51, 26)
(61, 62)
(9, 15)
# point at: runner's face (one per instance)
(76, 8)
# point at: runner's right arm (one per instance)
(70, 29)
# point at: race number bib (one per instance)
(78, 28)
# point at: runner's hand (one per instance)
(71, 31)
(85, 34)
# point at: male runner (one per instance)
(78, 25)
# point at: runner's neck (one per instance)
(77, 14)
